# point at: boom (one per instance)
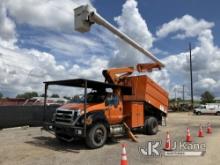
(85, 17)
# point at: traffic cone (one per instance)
(200, 133)
(124, 160)
(167, 146)
(188, 136)
(209, 129)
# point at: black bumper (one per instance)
(68, 130)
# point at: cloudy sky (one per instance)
(38, 42)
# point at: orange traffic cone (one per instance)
(209, 129)
(188, 136)
(200, 133)
(124, 160)
(167, 146)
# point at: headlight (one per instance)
(81, 112)
(78, 112)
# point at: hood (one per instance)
(89, 107)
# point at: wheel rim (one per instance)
(99, 136)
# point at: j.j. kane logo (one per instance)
(154, 148)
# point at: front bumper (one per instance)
(71, 131)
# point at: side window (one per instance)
(203, 107)
(115, 100)
(112, 100)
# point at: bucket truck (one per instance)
(133, 102)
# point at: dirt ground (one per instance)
(30, 146)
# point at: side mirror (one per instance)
(107, 102)
(112, 101)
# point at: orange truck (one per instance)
(105, 106)
(122, 103)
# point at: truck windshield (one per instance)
(92, 97)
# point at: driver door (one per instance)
(114, 111)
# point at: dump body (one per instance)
(144, 89)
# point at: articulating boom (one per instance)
(115, 75)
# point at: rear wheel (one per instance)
(218, 113)
(151, 126)
(96, 136)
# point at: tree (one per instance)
(27, 95)
(55, 96)
(42, 95)
(66, 97)
(1, 95)
(207, 97)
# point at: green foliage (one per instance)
(1, 95)
(207, 97)
(27, 95)
(55, 96)
(66, 97)
(42, 95)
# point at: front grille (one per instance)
(66, 116)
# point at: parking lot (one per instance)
(30, 146)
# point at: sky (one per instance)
(38, 43)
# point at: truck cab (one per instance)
(109, 104)
(94, 116)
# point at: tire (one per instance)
(96, 136)
(151, 126)
(198, 113)
(218, 113)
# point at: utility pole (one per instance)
(191, 76)
(183, 93)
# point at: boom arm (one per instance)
(85, 17)
(115, 75)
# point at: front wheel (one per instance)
(96, 136)
(151, 126)
(198, 113)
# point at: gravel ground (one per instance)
(30, 146)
